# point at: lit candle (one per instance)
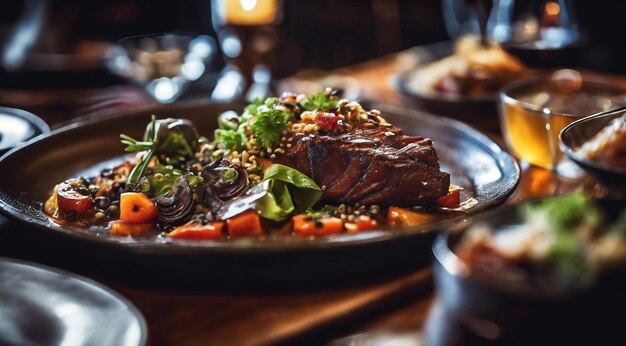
(249, 12)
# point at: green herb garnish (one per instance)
(322, 101)
(147, 148)
(268, 121)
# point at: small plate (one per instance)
(488, 174)
(480, 111)
(41, 305)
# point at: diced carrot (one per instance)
(363, 223)
(196, 230)
(304, 226)
(400, 217)
(264, 163)
(136, 207)
(68, 199)
(247, 224)
(451, 200)
(123, 229)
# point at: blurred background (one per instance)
(248, 45)
(320, 34)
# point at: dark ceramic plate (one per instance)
(580, 131)
(488, 174)
(45, 306)
(481, 111)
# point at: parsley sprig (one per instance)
(268, 122)
(322, 101)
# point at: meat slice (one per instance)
(370, 165)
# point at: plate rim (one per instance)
(261, 247)
(91, 283)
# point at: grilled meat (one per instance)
(369, 165)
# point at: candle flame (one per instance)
(249, 5)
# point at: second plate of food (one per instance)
(459, 79)
(486, 173)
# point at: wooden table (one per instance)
(374, 312)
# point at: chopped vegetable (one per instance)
(73, 197)
(451, 200)
(124, 229)
(327, 121)
(51, 205)
(136, 207)
(197, 230)
(363, 223)
(400, 217)
(306, 226)
(247, 224)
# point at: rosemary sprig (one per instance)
(147, 149)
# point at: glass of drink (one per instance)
(534, 111)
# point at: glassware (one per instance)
(163, 64)
(248, 38)
(535, 25)
(538, 24)
(534, 111)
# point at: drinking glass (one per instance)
(162, 64)
(534, 111)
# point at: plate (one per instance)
(487, 173)
(45, 306)
(480, 111)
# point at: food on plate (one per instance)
(307, 165)
(472, 70)
(564, 240)
(608, 146)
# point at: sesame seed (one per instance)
(280, 151)
(389, 134)
(289, 145)
(273, 156)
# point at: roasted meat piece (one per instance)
(369, 165)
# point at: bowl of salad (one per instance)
(549, 270)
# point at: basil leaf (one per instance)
(289, 191)
(303, 190)
(277, 204)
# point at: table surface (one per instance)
(380, 311)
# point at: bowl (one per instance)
(163, 64)
(533, 112)
(576, 134)
(503, 309)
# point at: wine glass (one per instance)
(162, 64)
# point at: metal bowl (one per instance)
(573, 136)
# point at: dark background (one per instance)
(320, 34)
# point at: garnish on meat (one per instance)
(307, 165)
